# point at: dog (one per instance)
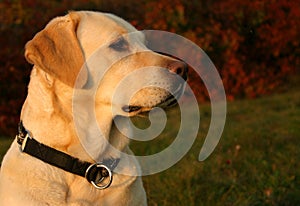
(59, 54)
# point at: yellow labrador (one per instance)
(59, 53)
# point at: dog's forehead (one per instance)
(103, 23)
(121, 23)
(98, 29)
(128, 31)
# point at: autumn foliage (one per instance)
(254, 44)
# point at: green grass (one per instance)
(255, 163)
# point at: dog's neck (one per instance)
(47, 114)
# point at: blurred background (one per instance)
(254, 44)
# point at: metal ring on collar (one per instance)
(99, 169)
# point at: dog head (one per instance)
(91, 68)
(133, 78)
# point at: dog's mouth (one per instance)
(169, 101)
(130, 108)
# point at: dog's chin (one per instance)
(168, 102)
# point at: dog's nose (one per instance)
(180, 68)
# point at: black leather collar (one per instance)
(98, 174)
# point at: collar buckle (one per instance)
(22, 137)
(99, 175)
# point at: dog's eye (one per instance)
(120, 45)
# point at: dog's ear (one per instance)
(57, 51)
